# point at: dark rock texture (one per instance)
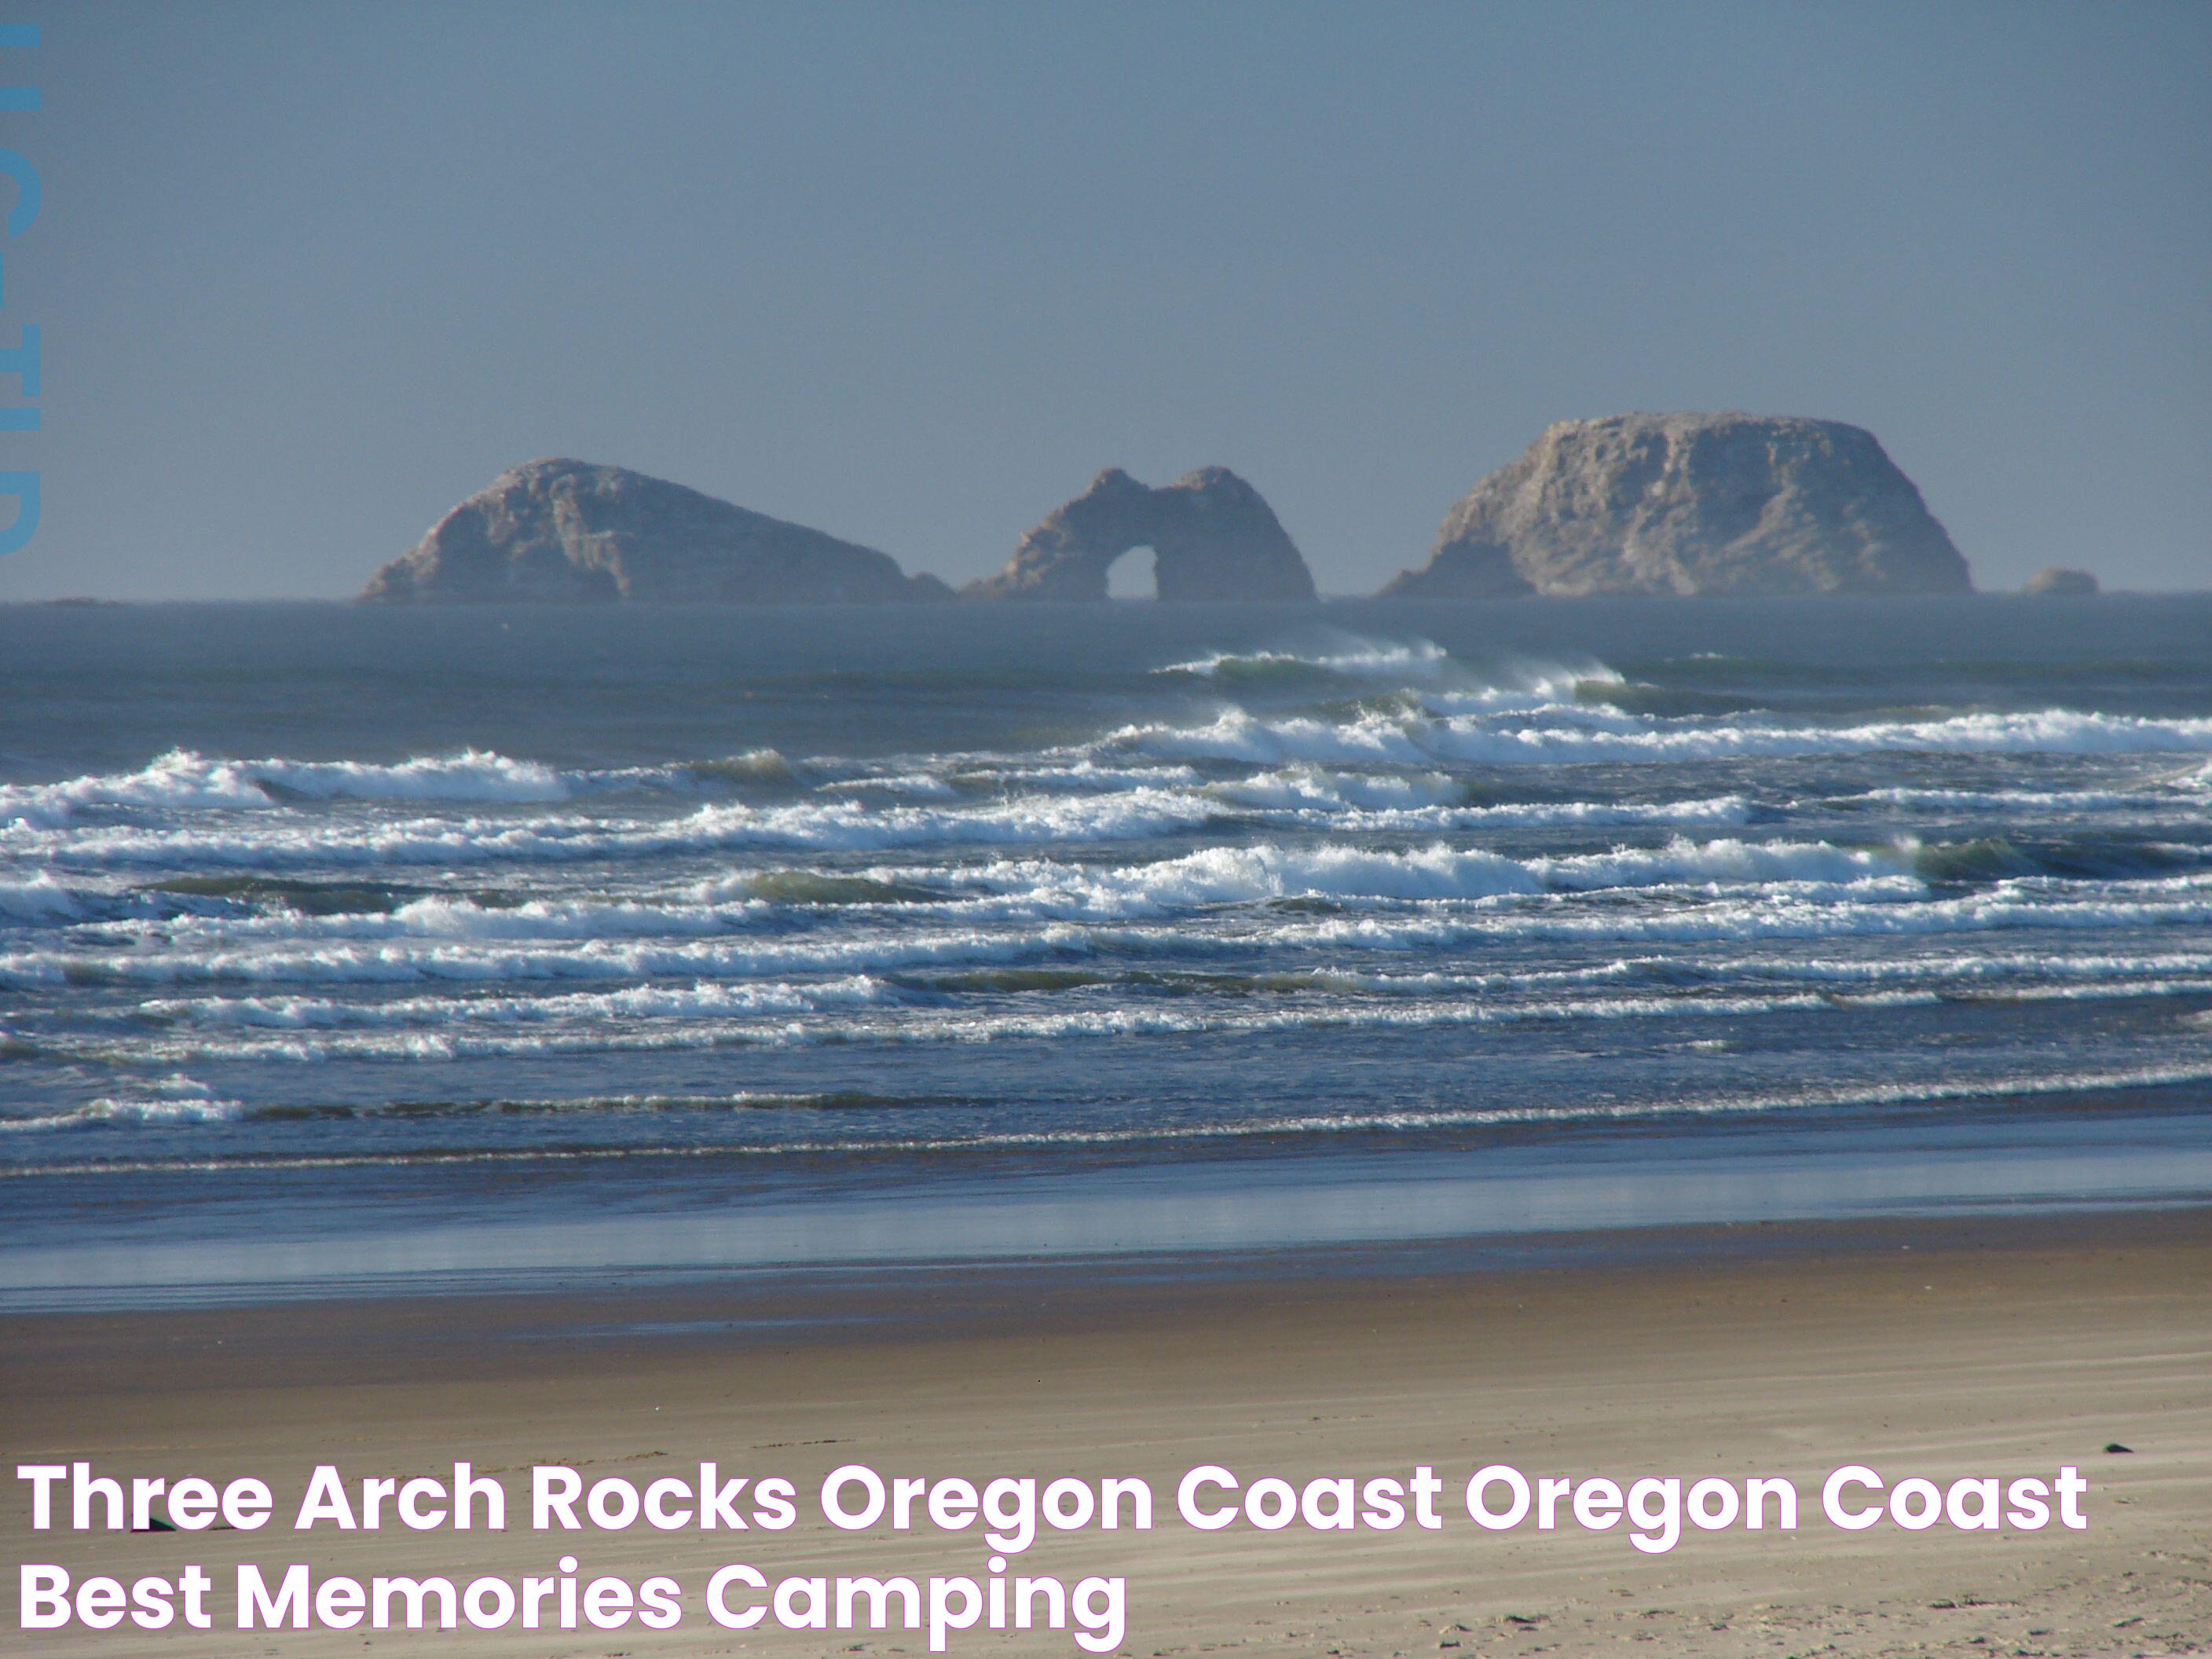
(572, 532)
(2056, 581)
(1693, 504)
(1211, 536)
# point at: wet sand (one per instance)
(1997, 1347)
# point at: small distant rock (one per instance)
(1691, 504)
(2116, 1447)
(574, 532)
(2056, 581)
(1212, 534)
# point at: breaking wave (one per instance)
(1338, 842)
(39, 897)
(1349, 659)
(182, 778)
(1424, 736)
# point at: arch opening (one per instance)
(1134, 574)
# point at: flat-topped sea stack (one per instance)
(570, 532)
(1211, 535)
(1693, 504)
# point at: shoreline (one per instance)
(1938, 1348)
(619, 1313)
(1467, 1198)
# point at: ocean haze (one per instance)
(308, 276)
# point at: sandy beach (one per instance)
(1935, 1349)
(1319, 831)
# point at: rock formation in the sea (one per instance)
(570, 531)
(1703, 504)
(2056, 581)
(1212, 537)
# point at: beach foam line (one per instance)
(777, 997)
(467, 919)
(1397, 1123)
(897, 1026)
(1776, 917)
(395, 963)
(762, 1102)
(799, 1032)
(125, 1110)
(175, 1099)
(1944, 970)
(637, 1002)
(2020, 975)
(1064, 911)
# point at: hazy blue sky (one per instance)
(309, 274)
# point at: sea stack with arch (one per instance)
(1212, 534)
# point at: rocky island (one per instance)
(1211, 535)
(571, 531)
(2056, 581)
(1691, 504)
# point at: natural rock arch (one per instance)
(1212, 537)
(1134, 573)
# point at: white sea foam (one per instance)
(1083, 773)
(1428, 998)
(1979, 966)
(1311, 786)
(834, 826)
(1255, 871)
(1712, 811)
(1426, 798)
(182, 778)
(831, 824)
(1417, 739)
(451, 1039)
(123, 1109)
(1686, 890)
(703, 998)
(455, 917)
(1348, 655)
(928, 1028)
(170, 1100)
(1409, 1122)
(417, 963)
(896, 783)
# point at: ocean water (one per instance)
(345, 947)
